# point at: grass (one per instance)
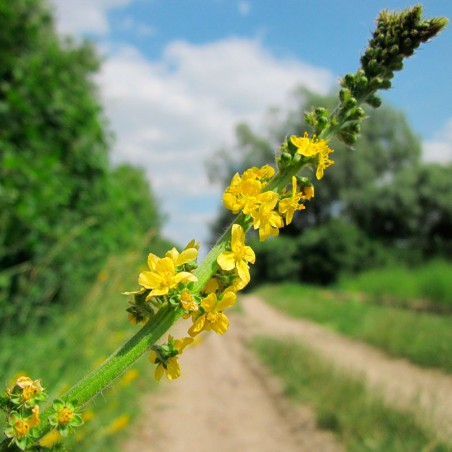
(424, 288)
(423, 338)
(69, 346)
(342, 404)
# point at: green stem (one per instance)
(100, 378)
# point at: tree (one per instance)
(63, 207)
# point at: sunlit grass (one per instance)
(428, 287)
(343, 404)
(423, 338)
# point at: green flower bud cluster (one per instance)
(318, 118)
(396, 37)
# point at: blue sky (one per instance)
(179, 74)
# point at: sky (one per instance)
(178, 75)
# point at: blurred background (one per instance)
(121, 122)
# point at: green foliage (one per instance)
(64, 209)
(413, 210)
(423, 338)
(343, 404)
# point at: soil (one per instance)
(227, 401)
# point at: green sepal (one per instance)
(77, 420)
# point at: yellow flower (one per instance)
(65, 415)
(167, 358)
(289, 205)
(239, 256)
(29, 387)
(242, 194)
(213, 317)
(266, 219)
(21, 427)
(164, 277)
(310, 147)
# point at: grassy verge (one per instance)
(425, 288)
(344, 405)
(423, 338)
(70, 345)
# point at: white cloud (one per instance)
(168, 115)
(440, 148)
(244, 8)
(84, 16)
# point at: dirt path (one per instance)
(226, 401)
(427, 392)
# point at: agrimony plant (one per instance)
(265, 199)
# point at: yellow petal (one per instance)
(173, 254)
(152, 260)
(172, 369)
(211, 286)
(149, 280)
(136, 292)
(180, 344)
(226, 260)
(187, 255)
(228, 300)
(289, 216)
(249, 254)
(34, 420)
(184, 277)
(198, 326)
(209, 302)
(221, 325)
(159, 370)
(165, 266)
(158, 292)
(243, 269)
(237, 236)
(153, 356)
